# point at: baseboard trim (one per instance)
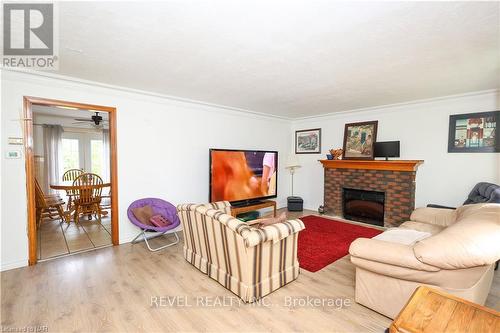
(13, 265)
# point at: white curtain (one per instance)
(52, 145)
(106, 164)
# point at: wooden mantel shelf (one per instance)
(392, 165)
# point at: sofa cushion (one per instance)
(402, 236)
(421, 226)
(437, 216)
(472, 241)
(450, 278)
(389, 253)
(468, 210)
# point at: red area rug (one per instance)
(325, 240)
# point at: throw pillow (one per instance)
(402, 236)
(159, 221)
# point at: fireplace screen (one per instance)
(363, 206)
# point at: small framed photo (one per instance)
(308, 141)
(359, 139)
(474, 133)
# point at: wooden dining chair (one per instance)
(105, 205)
(87, 195)
(71, 175)
(46, 205)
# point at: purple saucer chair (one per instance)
(166, 209)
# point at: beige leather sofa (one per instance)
(457, 256)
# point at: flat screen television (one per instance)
(241, 176)
(386, 149)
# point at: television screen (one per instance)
(387, 149)
(240, 175)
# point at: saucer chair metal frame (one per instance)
(159, 206)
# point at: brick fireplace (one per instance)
(396, 179)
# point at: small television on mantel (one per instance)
(386, 149)
(243, 176)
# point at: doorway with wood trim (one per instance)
(84, 207)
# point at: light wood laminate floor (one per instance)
(112, 289)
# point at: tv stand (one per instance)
(252, 205)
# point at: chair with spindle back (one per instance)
(69, 176)
(87, 195)
(47, 204)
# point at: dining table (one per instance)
(69, 188)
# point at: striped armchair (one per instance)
(249, 261)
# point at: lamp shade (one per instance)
(292, 162)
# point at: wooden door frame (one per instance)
(28, 102)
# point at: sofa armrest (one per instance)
(437, 216)
(190, 207)
(223, 206)
(388, 253)
(251, 235)
(274, 232)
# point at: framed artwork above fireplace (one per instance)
(359, 139)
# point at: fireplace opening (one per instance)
(363, 206)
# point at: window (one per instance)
(70, 154)
(83, 151)
(96, 156)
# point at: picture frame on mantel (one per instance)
(474, 133)
(359, 140)
(308, 141)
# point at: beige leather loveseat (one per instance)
(453, 250)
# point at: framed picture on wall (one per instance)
(359, 139)
(474, 133)
(308, 141)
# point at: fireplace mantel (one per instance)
(391, 165)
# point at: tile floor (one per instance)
(57, 239)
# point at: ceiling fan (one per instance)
(95, 120)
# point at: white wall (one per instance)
(422, 129)
(162, 149)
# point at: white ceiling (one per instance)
(65, 112)
(65, 117)
(291, 58)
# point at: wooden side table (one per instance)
(261, 204)
(431, 310)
